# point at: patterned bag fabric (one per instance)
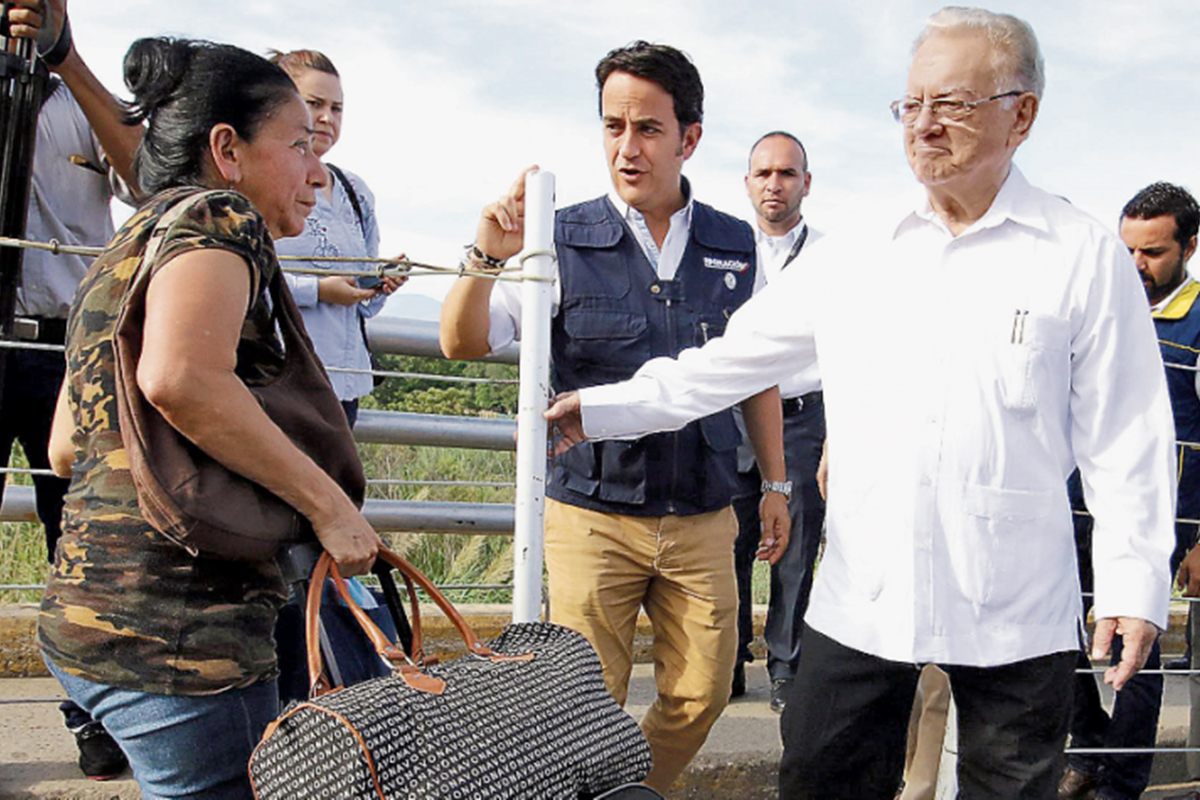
(525, 716)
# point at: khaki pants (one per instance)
(926, 733)
(603, 567)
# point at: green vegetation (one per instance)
(453, 559)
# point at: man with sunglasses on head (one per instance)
(989, 340)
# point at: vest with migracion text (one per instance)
(615, 315)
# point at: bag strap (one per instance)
(392, 655)
(350, 193)
(362, 224)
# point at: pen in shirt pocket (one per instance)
(1018, 329)
(80, 161)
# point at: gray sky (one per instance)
(447, 101)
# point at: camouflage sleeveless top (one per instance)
(124, 605)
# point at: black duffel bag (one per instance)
(524, 716)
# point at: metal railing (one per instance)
(398, 337)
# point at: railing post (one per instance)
(536, 296)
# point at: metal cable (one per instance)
(1130, 750)
(1102, 670)
(388, 267)
(385, 373)
(18, 345)
(373, 481)
(403, 482)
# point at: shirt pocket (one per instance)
(1032, 353)
(607, 345)
(1009, 545)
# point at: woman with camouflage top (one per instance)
(173, 653)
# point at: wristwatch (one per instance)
(782, 487)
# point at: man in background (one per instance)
(1159, 227)
(83, 156)
(777, 181)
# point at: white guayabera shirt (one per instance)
(964, 377)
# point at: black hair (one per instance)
(1159, 200)
(784, 134)
(183, 87)
(669, 68)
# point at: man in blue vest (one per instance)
(778, 180)
(1159, 227)
(644, 272)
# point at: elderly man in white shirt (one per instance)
(996, 338)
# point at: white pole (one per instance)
(536, 296)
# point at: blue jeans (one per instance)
(182, 746)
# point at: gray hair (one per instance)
(1016, 46)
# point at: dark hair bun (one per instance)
(182, 88)
(154, 69)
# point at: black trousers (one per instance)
(31, 382)
(1133, 723)
(845, 725)
(792, 577)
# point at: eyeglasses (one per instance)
(907, 111)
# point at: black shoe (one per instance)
(1074, 785)
(99, 756)
(1178, 664)
(739, 680)
(780, 689)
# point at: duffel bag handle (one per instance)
(413, 575)
(393, 655)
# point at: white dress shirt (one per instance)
(504, 307)
(772, 253)
(964, 377)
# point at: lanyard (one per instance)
(795, 251)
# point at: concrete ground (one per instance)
(739, 761)
(37, 754)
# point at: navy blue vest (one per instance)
(615, 315)
(1179, 339)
